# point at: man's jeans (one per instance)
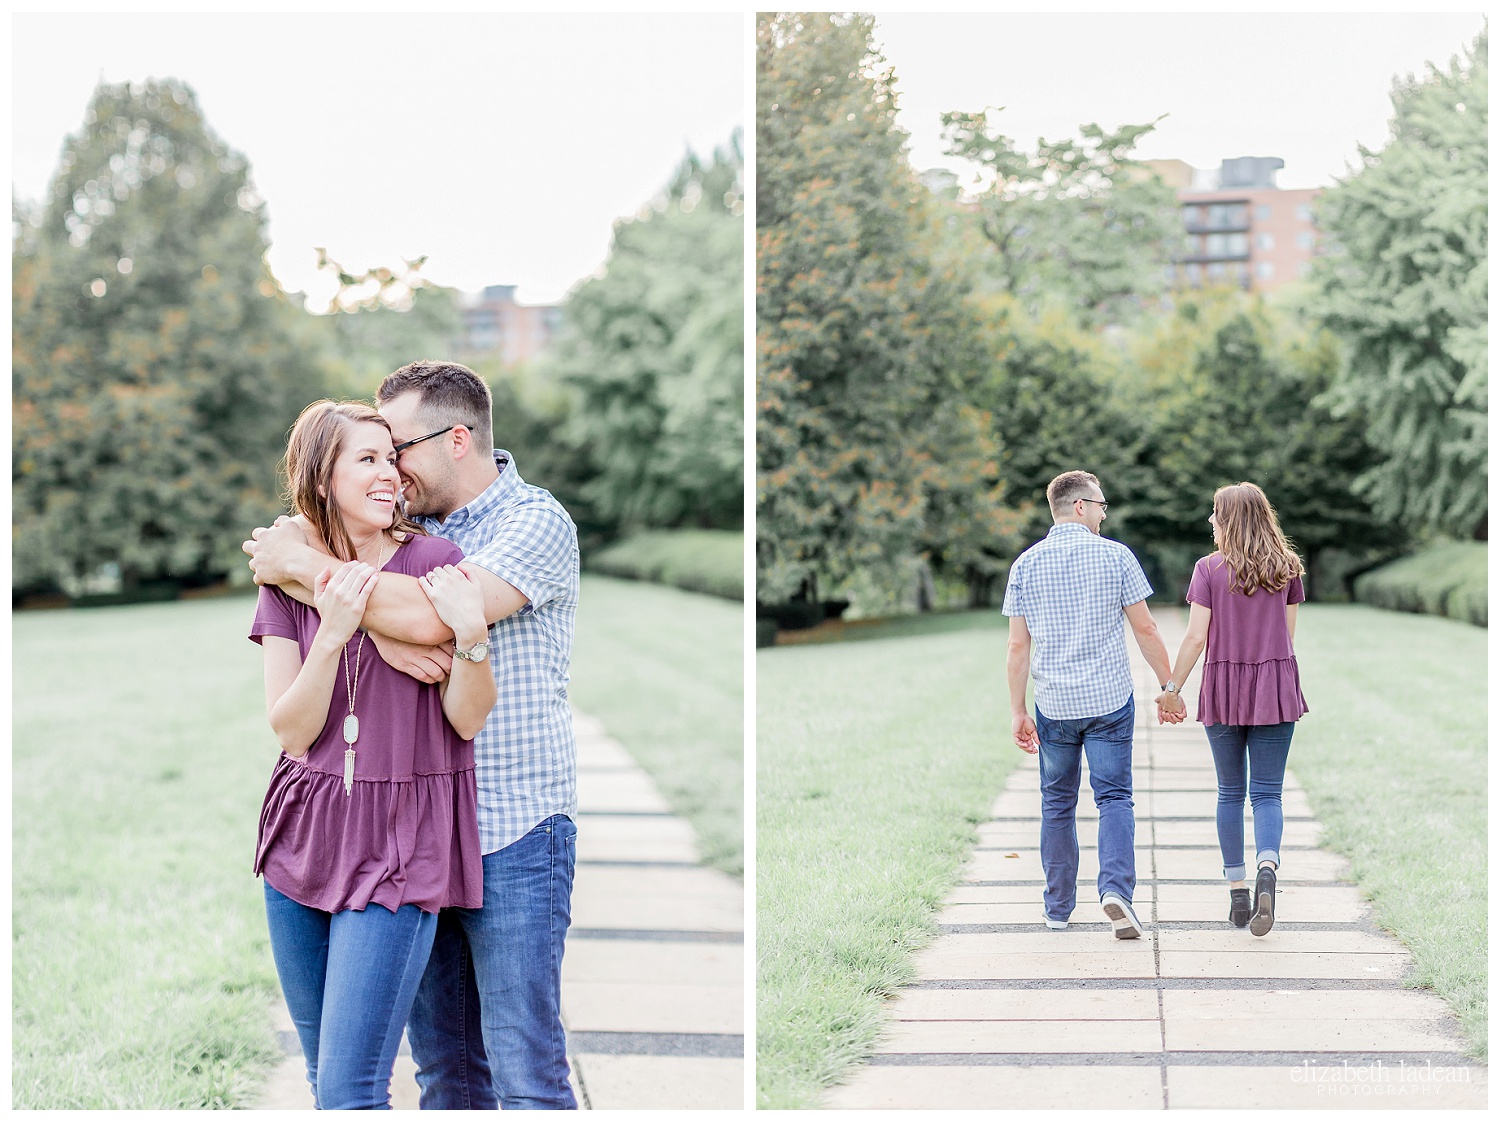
(485, 1030)
(1264, 748)
(348, 978)
(1107, 742)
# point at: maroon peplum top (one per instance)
(409, 832)
(1250, 673)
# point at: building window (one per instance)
(1215, 270)
(1192, 216)
(1262, 213)
(1265, 270)
(1304, 212)
(1305, 240)
(1303, 268)
(1193, 274)
(1195, 245)
(1265, 241)
(1237, 245)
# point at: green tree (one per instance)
(1249, 410)
(155, 371)
(1076, 223)
(653, 350)
(1406, 288)
(382, 319)
(872, 447)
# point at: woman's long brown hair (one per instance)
(311, 452)
(1251, 540)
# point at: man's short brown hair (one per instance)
(449, 393)
(1068, 488)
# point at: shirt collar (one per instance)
(500, 491)
(1068, 528)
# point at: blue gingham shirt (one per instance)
(1073, 587)
(525, 760)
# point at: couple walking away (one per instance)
(1069, 597)
(417, 840)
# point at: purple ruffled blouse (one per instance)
(1250, 674)
(409, 832)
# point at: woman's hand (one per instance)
(340, 596)
(458, 601)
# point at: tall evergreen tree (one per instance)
(1406, 287)
(155, 365)
(871, 446)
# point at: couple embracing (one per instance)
(1069, 598)
(417, 841)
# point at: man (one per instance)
(485, 1029)
(1070, 595)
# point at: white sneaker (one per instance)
(1056, 924)
(1122, 916)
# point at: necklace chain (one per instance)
(352, 689)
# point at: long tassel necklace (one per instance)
(351, 722)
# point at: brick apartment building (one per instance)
(1241, 228)
(494, 322)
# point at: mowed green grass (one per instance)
(875, 762)
(663, 670)
(875, 758)
(1393, 757)
(141, 971)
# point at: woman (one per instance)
(1244, 601)
(370, 823)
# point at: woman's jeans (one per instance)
(349, 978)
(1107, 742)
(1264, 749)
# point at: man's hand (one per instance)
(425, 664)
(268, 548)
(1170, 709)
(1023, 730)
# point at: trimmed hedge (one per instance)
(1446, 580)
(711, 561)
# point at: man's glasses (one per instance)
(405, 444)
(1102, 504)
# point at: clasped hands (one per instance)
(269, 549)
(1170, 709)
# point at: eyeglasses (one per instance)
(405, 444)
(1100, 503)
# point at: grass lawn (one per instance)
(141, 973)
(875, 762)
(1393, 757)
(664, 670)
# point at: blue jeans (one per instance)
(349, 978)
(1107, 741)
(1265, 748)
(486, 1028)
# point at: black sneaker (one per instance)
(1239, 906)
(1265, 901)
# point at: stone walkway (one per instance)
(1196, 1014)
(653, 977)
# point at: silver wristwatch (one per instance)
(477, 653)
(1171, 687)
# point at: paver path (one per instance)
(1196, 1014)
(653, 977)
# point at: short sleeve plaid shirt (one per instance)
(525, 760)
(1073, 587)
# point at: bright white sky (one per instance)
(503, 146)
(1306, 87)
